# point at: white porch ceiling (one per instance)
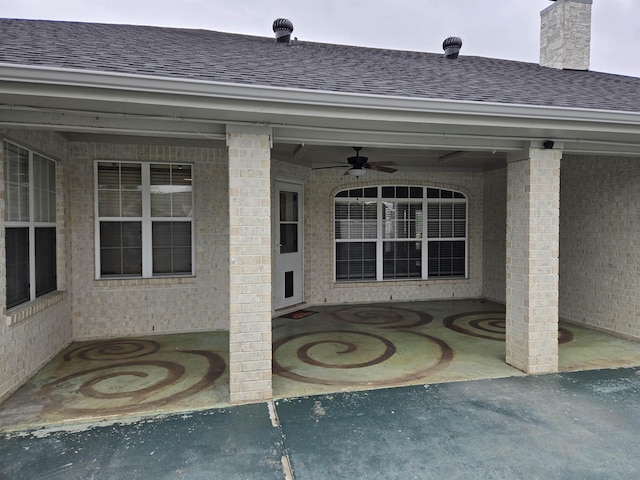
(406, 159)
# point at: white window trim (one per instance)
(146, 220)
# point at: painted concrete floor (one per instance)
(574, 425)
(334, 349)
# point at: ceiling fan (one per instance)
(360, 164)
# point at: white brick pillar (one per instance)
(249, 264)
(533, 213)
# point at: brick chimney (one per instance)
(565, 34)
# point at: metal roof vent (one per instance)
(283, 28)
(451, 47)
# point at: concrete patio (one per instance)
(321, 350)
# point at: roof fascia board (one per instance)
(164, 85)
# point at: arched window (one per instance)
(382, 233)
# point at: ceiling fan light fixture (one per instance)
(356, 172)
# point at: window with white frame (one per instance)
(382, 233)
(144, 224)
(30, 224)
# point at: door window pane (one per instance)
(288, 222)
(288, 206)
(288, 238)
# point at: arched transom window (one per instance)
(382, 233)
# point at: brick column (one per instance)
(250, 264)
(533, 212)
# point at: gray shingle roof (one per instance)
(223, 57)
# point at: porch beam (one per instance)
(533, 213)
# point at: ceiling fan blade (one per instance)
(381, 168)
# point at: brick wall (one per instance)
(32, 334)
(114, 308)
(494, 235)
(599, 249)
(600, 243)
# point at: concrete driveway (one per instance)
(577, 425)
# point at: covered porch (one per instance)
(544, 235)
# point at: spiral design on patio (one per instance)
(133, 385)
(383, 316)
(344, 347)
(113, 350)
(490, 325)
(320, 353)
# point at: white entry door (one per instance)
(289, 280)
